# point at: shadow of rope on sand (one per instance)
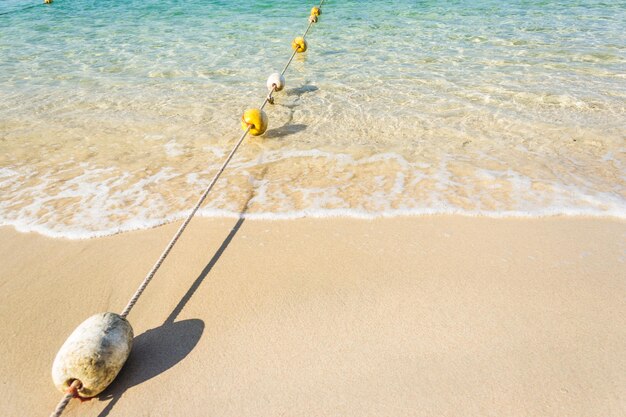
(159, 349)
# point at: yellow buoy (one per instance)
(47, 1)
(256, 119)
(316, 11)
(299, 44)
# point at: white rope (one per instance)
(183, 226)
(61, 405)
(180, 231)
(71, 393)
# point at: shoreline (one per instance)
(616, 215)
(425, 315)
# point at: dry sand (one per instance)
(424, 316)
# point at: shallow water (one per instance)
(115, 114)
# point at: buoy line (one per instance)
(95, 352)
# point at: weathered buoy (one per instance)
(93, 354)
(256, 119)
(299, 44)
(276, 81)
(313, 18)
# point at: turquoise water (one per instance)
(114, 114)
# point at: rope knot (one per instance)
(73, 390)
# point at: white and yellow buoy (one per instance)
(93, 354)
(299, 44)
(256, 119)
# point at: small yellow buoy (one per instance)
(93, 354)
(256, 119)
(316, 11)
(47, 1)
(299, 44)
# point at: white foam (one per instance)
(111, 202)
(173, 149)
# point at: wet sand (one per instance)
(419, 316)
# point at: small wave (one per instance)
(130, 226)
(84, 202)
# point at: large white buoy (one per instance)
(93, 354)
(276, 81)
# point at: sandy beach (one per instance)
(434, 199)
(419, 316)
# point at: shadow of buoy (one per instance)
(154, 352)
(285, 130)
(298, 91)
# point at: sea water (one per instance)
(114, 114)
